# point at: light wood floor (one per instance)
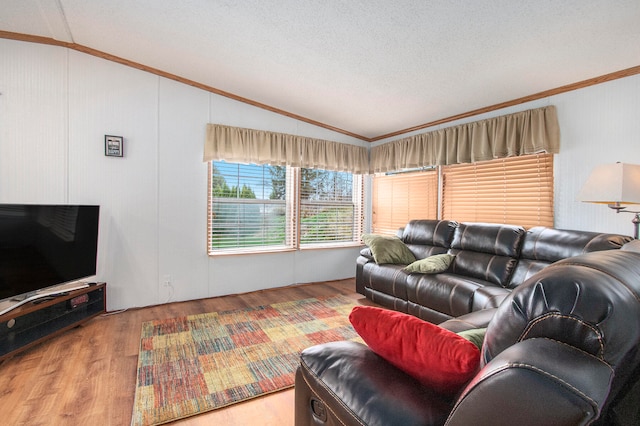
(87, 376)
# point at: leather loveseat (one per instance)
(561, 349)
(490, 261)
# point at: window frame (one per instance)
(293, 223)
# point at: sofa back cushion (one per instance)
(542, 246)
(428, 237)
(486, 251)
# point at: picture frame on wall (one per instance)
(113, 146)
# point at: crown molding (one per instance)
(84, 49)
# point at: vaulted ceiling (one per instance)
(369, 68)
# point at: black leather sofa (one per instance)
(561, 349)
(490, 261)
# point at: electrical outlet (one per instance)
(166, 280)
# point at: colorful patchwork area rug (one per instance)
(193, 364)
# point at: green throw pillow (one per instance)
(431, 265)
(475, 336)
(388, 249)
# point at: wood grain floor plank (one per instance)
(87, 376)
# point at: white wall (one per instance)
(56, 105)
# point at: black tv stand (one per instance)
(49, 315)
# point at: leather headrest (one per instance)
(429, 232)
(550, 244)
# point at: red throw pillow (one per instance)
(433, 355)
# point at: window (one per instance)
(258, 208)
(514, 190)
(330, 207)
(399, 198)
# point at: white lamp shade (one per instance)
(612, 183)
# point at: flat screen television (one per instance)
(45, 249)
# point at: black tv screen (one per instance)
(46, 245)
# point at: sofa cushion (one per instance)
(388, 249)
(431, 265)
(387, 279)
(434, 356)
(486, 251)
(542, 246)
(474, 335)
(490, 238)
(429, 232)
(428, 237)
(447, 293)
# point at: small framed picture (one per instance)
(113, 146)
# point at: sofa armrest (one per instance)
(345, 383)
(366, 253)
(360, 262)
(535, 382)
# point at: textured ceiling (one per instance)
(368, 67)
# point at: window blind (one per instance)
(329, 207)
(248, 206)
(399, 198)
(514, 190)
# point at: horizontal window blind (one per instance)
(248, 206)
(399, 198)
(514, 190)
(328, 206)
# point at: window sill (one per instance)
(273, 250)
(330, 246)
(246, 251)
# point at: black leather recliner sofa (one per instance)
(490, 261)
(562, 348)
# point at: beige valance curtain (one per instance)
(240, 145)
(527, 132)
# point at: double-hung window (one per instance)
(254, 208)
(330, 207)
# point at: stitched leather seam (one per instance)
(590, 355)
(633, 294)
(462, 238)
(490, 299)
(565, 383)
(393, 283)
(435, 232)
(495, 242)
(535, 245)
(337, 399)
(486, 271)
(528, 273)
(523, 336)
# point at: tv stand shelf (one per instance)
(41, 319)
